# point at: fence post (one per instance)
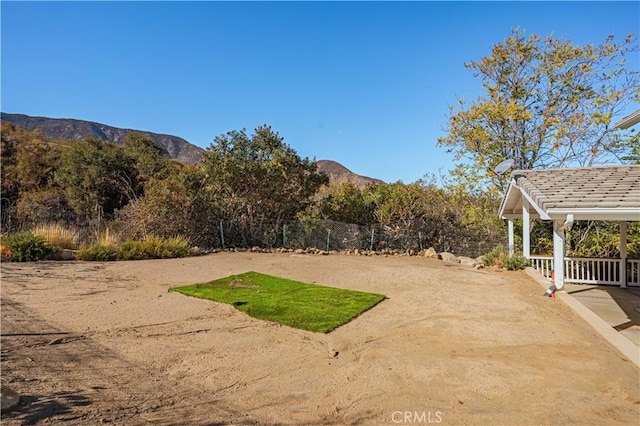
(373, 231)
(284, 235)
(5, 212)
(222, 234)
(420, 240)
(328, 237)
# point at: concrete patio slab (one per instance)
(612, 311)
(619, 307)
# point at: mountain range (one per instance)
(175, 147)
(70, 129)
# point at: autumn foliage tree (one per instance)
(29, 163)
(29, 160)
(546, 103)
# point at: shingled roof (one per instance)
(588, 193)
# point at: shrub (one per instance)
(494, 257)
(133, 250)
(154, 247)
(515, 262)
(497, 257)
(177, 247)
(27, 247)
(98, 252)
(42, 204)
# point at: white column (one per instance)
(558, 253)
(511, 244)
(623, 253)
(526, 230)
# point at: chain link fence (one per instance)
(323, 235)
(49, 223)
(330, 235)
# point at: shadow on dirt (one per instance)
(35, 408)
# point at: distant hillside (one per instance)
(339, 173)
(176, 147)
(72, 129)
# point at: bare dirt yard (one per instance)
(90, 343)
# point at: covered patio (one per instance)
(604, 193)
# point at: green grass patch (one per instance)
(293, 303)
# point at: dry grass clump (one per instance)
(58, 235)
(106, 238)
(106, 248)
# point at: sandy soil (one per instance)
(89, 343)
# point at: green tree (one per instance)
(259, 182)
(547, 103)
(97, 176)
(150, 161)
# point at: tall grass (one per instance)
(106, 238)
(57, 235)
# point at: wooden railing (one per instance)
(590, 270)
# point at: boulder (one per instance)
(68, 254)
(467, 261)
(448, 257)
(431, 253)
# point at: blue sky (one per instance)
(367, 84)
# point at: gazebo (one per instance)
(603, 193)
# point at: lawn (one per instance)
(293, 303)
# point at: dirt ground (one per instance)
(90, 343)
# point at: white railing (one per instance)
(590, 270)
(542, 264)
(633, 272)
